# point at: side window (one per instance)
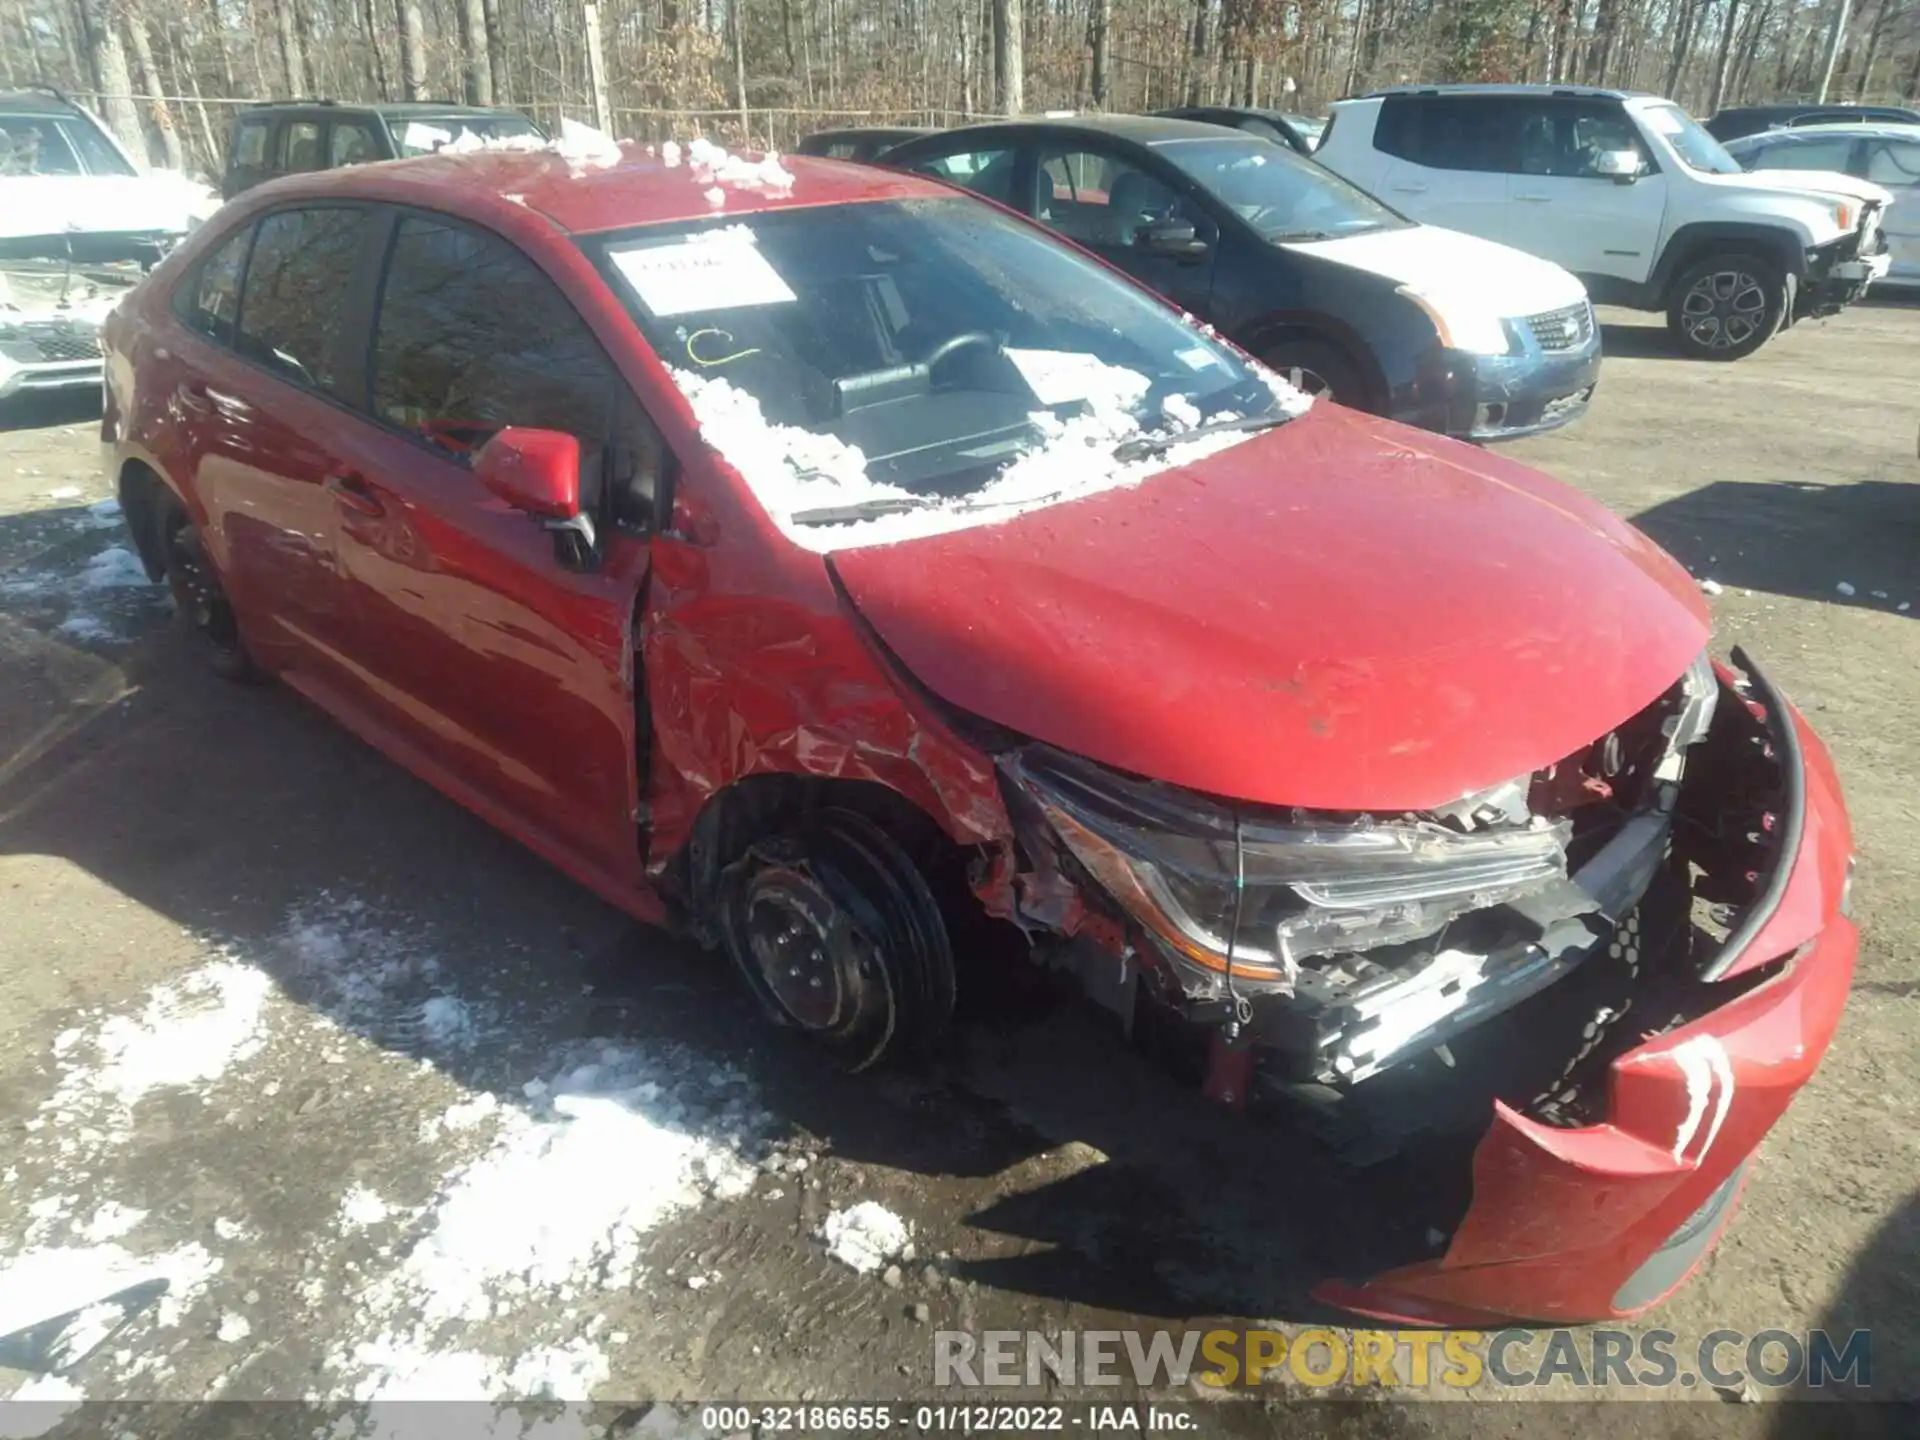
(1568, 138)
(1454, 132)
(250, 144)
(300, 147)
(208, 297)
(294, 302)
(35, 147)
(842, 150)
(1099, 199)
(1829, 152)
(352, 142)
(473, 336)
(93, 148)
(985, 172)
(1894, 163)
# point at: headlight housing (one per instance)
(1217, 885)
(1463, 324)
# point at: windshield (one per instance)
(1279, 192)
(918, 355)
(1696, 148)
(424, 134)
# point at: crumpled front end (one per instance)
(51, 311)
(1585, 994)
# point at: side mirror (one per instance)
(1177, 238)
(1620, 166)
(538, 472)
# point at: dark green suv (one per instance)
(285, 137)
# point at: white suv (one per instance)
(1626, 191)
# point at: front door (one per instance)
(1590, 222)
(499, 663)
(1106, 201)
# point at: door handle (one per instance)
(351, 490)
(1410, 189)
(193, 395)
(1534, 199)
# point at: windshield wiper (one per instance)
(1146, 445)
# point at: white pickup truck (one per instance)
(1629, 193)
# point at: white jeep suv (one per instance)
(1626, 191)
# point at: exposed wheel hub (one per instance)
(805, 949)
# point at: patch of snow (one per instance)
(791, 469)
(66, 492)
(717, 198)
(101, 515)
(111, 1221)
(361, 1208)
(1904, 606)
(377, 981)
(234, 1327)
(114, 569)
(583, 145)
(87, 628)
(1712, 587)
(188, 1034)
(670, 155)
(231, 1229)
(1844, 588)
(37, 1406)
(41, 1284)
(714, 165)
(613, 1143)
(866, 1237)
(461, 1115)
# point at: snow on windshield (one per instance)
(793, 470)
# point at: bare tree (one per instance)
(1009, 59)
(157, 106)
(107, 57)
(413, 50)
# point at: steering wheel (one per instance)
(953, 344)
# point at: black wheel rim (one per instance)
(196, 589)
(806, 952)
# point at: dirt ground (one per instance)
(279, 1019)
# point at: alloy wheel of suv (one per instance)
(1726, 306)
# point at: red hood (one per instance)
(1342, 614)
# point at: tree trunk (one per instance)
(497, 60)
(373, 49)
(1756, 27)
(1834, 37)
(1102, 27)
(1682, 45)
(413, 50)
(476, 70)
(1864, 79)
(292, 61)
(1197, 67)
(1913, 78)
(1009, 66)
(107, 57)
(739, 70)
(150, 82)
(1725, 57)
(966, 57)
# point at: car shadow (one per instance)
(1086, 1174)
(1879, 1295)
(1638, 342)
(1799, 539)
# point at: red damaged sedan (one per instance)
(820, 561)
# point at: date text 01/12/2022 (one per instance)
(962, 1419)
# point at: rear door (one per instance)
(508, 672)
(1452, 156)
(1105, 198)
(249, 161)
(1592, 223)
(264, 397)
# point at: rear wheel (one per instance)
(198, 597)
(1727, 306)
(1322, 370)
(837, 934)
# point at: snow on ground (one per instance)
(551, 1182)
(865, 1236)
(105, 600)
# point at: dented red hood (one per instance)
(1339, 614)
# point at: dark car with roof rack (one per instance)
(289, 137)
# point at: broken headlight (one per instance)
(1216, 884)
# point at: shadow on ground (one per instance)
(227, 808)
(53, 407)
(1800, 540)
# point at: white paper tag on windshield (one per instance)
(423, 137)
(715, 270)
(1059, 377)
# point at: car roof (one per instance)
(37, 102)
(1810, 107)
(582, 197)
(1141, 129)
(396, 109)
(1845, 129)
(861, 132)
(1572, 92)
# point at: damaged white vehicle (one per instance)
(80, 224)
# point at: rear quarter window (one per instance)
(293, 305)
(207, 299)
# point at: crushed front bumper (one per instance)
(1839, 274)
(1604, 1220)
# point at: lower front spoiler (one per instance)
(1844, 282)
(1603, 1221)
(1501, 397)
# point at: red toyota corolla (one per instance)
(821, 561)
